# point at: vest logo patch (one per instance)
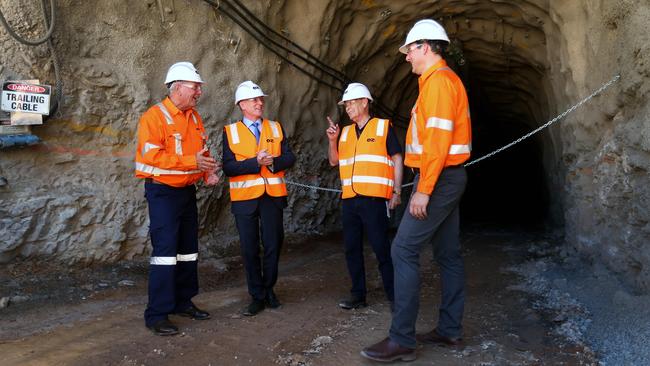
(371, 139)
(269, 140)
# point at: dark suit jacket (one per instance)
(233, 168)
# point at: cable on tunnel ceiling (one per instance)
(263, 34)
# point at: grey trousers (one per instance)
(441, 228)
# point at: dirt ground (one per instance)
(93, 316)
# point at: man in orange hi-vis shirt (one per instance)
(438, 142)
(171, 157)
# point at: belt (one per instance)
(150, 180)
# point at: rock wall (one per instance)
(74, 197)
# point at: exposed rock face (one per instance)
(74, 196)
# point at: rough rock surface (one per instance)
(74, 197)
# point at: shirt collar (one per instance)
(430, 71)
(173, 110)
(248, 122)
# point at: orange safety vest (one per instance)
(244, 146)
(168, 140)
(440, 132)
(364, 164)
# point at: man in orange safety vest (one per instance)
(370, 165)
(255, 156)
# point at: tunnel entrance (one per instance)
(507, 85)
(509, 189)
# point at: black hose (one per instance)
(264, 34)
(46, 38)
(279, 54)
(43, 39)
(323, 65)
(254, 31)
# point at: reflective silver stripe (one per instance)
(157, 171)
(247, 183)
(414, 149)
(147, 146)
(233, 133)
(366, 158)
(165, 112)
(346, 182)
(195, 120)
(187, 257)
(276, 130)
(441, 123)
(371, 179)
(163, 261)
(346, 162)
(178, 139)
(274, 180)
(344, 134)
(444, 68)
(380, 127)
(459, 149)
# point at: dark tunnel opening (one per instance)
(509, 189)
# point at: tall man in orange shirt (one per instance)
(171, 157)
(438, 142)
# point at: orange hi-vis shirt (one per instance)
(244, 146)
(440, 132)
(168, 140)
(364, 164)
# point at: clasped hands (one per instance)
(208, 164)
(264, 158)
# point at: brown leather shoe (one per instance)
(388, 351)
(434, 338)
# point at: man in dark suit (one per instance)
(255, 157)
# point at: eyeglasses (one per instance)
(411, 49)
(195, 87)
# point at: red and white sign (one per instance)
(28, 98)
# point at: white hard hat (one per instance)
(425, 29)
(248, 90)
(355, 91)
(183, 71)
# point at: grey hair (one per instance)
(171, 87)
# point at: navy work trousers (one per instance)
(367, 215)
(261, 271)
(441, 227)
(173, 226)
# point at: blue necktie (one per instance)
(256, 131)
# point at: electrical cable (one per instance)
(46, 38)
(43, 39)
(251, 24)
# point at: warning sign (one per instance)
(23, 97)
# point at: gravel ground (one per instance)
(587, 303)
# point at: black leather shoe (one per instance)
(271, 300)
(388, 351)
(194, 313)
(163, 328)
(434, 338)
(254, 308)
(353, 303)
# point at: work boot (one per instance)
(353, 303)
